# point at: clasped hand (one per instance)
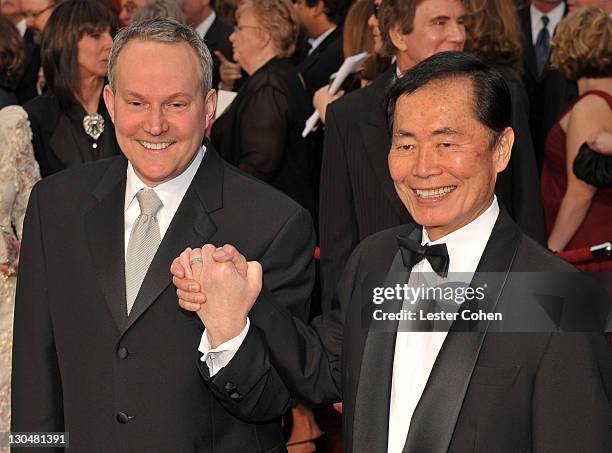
(220, 285)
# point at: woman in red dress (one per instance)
(578, 214)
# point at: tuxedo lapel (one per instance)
(435, 417)
(190, 227)
(105, 236)
(377, 141)
(372, 403)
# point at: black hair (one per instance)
(335, 10)
(69, 22)
(492, 106)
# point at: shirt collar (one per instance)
(316, 42)
(203, 28)
(466, 245)
(22, 27)
(555, 15)
(166, 191)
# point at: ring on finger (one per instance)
(195, 260)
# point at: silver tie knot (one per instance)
(149, 202)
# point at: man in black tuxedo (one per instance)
(101, 348)
(548, 90)
(202, 17)
(322, 20)
(357, 197)
(464, 389)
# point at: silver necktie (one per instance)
(144, 241)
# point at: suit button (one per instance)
(236, 396)
(122, 353)
(123, 418)
(230, 387)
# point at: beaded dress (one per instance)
(18, 173)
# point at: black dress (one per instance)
(58, 136)
(260, 132)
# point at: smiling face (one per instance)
(438, 26)
(92, 53)
(158, 108)
(441, 160)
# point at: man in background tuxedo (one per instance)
(548, 90)
(322, 20)
(101, 348)
(459, 390)
(357, 197)
(202, 17)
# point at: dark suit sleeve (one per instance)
(527, 204)
(337, 222)
(308, 358)
(36, 399)
(571, 404)
(250, 386)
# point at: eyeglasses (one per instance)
(238, 28)
(35, 15)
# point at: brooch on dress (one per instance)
(93, 125)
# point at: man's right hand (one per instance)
(220, 285)
(229, 72)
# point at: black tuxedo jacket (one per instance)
(217, 39)
(357, 196)
(322, 62)
(136, 384)
(549, 94)
(501, 392)
(60, 142)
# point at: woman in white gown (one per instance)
(18, 173)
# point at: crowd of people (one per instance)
(65, 103)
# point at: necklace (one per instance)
(93, 125)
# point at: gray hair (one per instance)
(160, 9)
(163, 31)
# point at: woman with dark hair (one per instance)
(577, 213)
(494, 35)
(11, 61)
(70, 123)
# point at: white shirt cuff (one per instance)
(219, 357)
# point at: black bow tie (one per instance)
(413, 253)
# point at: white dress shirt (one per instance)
(554, 15)
(22, 26)
(316, 42)
(170, 193)
(416, 352)
(203, 28)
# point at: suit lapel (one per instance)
(190, 227)
(376, 140)
(530, 58)
(435, 417)
(372, 403)
(63, 144)
(105, 236)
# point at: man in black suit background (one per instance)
(101, 348)
(548, 90)
(201, 15)
(322, 20)
(357, 197)
(470, 388)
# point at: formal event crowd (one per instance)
(80, 81)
